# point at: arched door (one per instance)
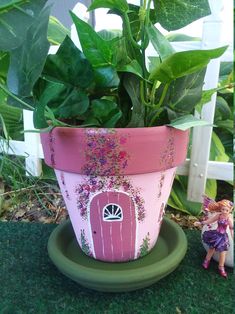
(113, 226)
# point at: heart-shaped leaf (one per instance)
(120, 5)
(27, 60)
(183, 63)
(186, 122)
(174, 14)
(159, 42)
(104, 113)
(97, 50)
(25, 12)
(69, 65)
(56, 31)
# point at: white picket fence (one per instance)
(198, 168)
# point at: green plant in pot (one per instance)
(113, 125)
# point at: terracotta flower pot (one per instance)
(115, 183)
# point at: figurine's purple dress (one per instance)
(217, 239)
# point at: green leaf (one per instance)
(178, 196)
(206, 97)
(184, 63)
(51, 91)
(69, 65)
(104, 113)
(178, 199)
(222, 111)
(120, 5)
(27, 60)
(154, 62)
(4, 64)
(227, 125)
(13, 120)
(75, 104)
(110, 34)
(225, 68)
(16, 16)
(97, 50)
(159, 42)
(60, 101)
(56, 31)
(227, 140)
(132, 86)
(217, 151)
(181, 37)
(186, 122)
(132, 67)
(174, 14)
(39, 119)
(123, 62)
(105, 77)
(185, 92)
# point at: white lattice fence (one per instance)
(198, 168)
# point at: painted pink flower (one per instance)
(122, 140)
(122, 154)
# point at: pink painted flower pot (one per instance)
(115, 183)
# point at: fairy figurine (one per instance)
(217, 240)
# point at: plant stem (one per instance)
(128, 28)
(142, 93)
(160, 103)
(15, 97)
(152, 97)
(165, 89)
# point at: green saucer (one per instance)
(66, 254)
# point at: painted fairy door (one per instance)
(113, 226)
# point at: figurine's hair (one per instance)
(216, 206)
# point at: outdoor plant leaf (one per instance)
(104, 112)
(50, 92)
(124, 62)
(27, 60)
(186, 122)
(69, 65)
(206, 97)
(132, 67)
(4, 64)
(132, 85)
(159, 42)
(16, 16)
(75, 104)
(105, 77)
(56, 31)
(183, 63)
(62, 100)
(217, 151)
(12, 118)
(175, 14)
(185, 92)
(178, 196)
(97, 50)
(223, 111)
(120, 5)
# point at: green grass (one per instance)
(18, 186)
(30, 283)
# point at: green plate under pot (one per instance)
(168, 252)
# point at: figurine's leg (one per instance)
(222, 271)
(207, 260)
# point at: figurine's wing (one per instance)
(207, 201)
